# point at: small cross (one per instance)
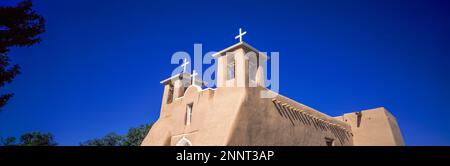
(193, 77)
(185, 65)
(240, 35)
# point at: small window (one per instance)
(231, 68)
(329, 142)
(252, 67)
(189, 113)
(170, 95)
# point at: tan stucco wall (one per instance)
(375, 127)
(238, 116)
(212, 116)
(263, 122)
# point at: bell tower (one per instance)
(240, 65)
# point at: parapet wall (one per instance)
(282, 121)
(374, 127)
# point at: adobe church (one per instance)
(235, 113)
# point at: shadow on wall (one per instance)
(298, 116)
(358, 120)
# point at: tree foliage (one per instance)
(9, 141)
(20, 26)
(111, 139)
(30, 139)
(37, 139)
(134, 137)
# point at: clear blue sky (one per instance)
(98, 67)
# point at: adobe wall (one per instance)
(238, 116)
(262, 121)
(374, 127)
(212, 116)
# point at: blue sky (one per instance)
(98, 67)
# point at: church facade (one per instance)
(235, 113)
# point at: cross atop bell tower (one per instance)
(240, 65)
(241, 34)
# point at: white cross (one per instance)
(185, 65)
(240, 35)
(193, 77)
